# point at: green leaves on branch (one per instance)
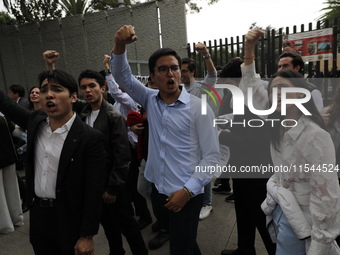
(5, 19)
(35, 10)
(332, 11)
(107, 4)
(73, 7)
(27, 11)
(193, 6)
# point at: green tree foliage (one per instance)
(194, 6)
(5, 19)
(73, 7)
(332, 11)
(107, 4)
(26, 11)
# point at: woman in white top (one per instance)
(303, 199)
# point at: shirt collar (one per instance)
(184, 97)
(295, 132)
(66, 127)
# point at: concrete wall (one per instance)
(82, 40)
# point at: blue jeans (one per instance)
(287, 241)
(207, 200)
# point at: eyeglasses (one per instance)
(185, 71)
(163, 70)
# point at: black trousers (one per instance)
(249, 195)
(117, 219)
(182, 226)
(139, 202)
(45, 236)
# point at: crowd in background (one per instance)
(99, 159)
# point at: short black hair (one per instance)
(296, 60)
(191, 64)
(61, 77)
(160, 53)
(17, 89)
(232, 69)
(93, 75)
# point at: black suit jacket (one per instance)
(81, 172)
(7, 151)
(249, 146)
(112, 124)
(23, 102)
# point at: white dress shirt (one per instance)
(48, 147)
(90, 119)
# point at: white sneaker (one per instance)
(205, 211)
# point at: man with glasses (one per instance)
(180, 140)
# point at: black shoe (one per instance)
(222, 190)
(230, 252)
(230, 199)
(143, 223)
(158, 240)
(156, 227)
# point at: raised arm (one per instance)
(201, 48)
(121, 70)
(125, 35)
(252, 38)
(250, 79)
(50, 57)
(211, 77)
(114, 90)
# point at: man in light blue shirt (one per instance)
(181, 140)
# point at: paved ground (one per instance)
(215, 233)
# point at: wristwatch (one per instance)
(189, 192)
(206, 57)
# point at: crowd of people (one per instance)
(98, 160)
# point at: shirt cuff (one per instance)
(248, 72)
(317, 248)
(116, 60)
(194, 186)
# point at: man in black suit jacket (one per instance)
(17, 93)
(65, 171)
(117, 216)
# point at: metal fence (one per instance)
(267, 54)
